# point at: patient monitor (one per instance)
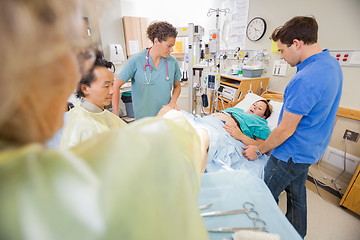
(212, 80)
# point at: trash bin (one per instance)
(126, 98)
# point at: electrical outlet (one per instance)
(280, 67)
(350, 135)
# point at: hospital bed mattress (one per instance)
(228, 191)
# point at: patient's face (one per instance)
(258, 108)
(101, 90)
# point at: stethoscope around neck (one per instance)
(148, 81)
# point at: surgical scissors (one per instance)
(259, 224)
(235, 229)
(205, 206)
(248, 209)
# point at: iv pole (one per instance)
(217, 53)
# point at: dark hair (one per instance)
(161, 31)
(87, 79)
(300, 27)
(267, 113)
(268, 109)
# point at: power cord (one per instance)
(316, 185)
(334, 181)
(203, 111)
(323, 175)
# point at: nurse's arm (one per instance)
(116, 95)
(280, 134)
(175, 95)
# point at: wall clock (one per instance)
(256, 29)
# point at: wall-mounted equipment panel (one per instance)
(347, 57)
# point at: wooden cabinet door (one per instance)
(135, 34)
(351, 198)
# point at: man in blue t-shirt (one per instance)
(311, 101)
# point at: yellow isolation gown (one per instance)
(137, 182)
(83, 124)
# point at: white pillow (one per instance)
(250, 98)
(274, 117)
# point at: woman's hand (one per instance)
(233, 130)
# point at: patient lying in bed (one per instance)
(249, 127)
(224, 152)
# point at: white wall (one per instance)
(178, 13)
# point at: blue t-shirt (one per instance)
(314, 92)
(251, 125)
(148, 99)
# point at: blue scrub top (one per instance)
(149, 99)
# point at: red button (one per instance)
(346, 55)
(337, 59)
(345, 59)
(338, 55)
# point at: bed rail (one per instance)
(345, 112)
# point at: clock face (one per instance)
(256, 29)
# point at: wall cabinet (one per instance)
(351, 198)
(239, 86)
(135, 34)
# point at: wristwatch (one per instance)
(257, 151)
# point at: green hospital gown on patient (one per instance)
(137, 182)
(251, 124)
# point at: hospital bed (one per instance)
(234, 189)
(229, 191)
(225, 152)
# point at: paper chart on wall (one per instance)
(238, 21)
(133, 47)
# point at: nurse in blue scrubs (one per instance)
(154, 73)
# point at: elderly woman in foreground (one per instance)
(104, 188)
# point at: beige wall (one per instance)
(111, 26)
